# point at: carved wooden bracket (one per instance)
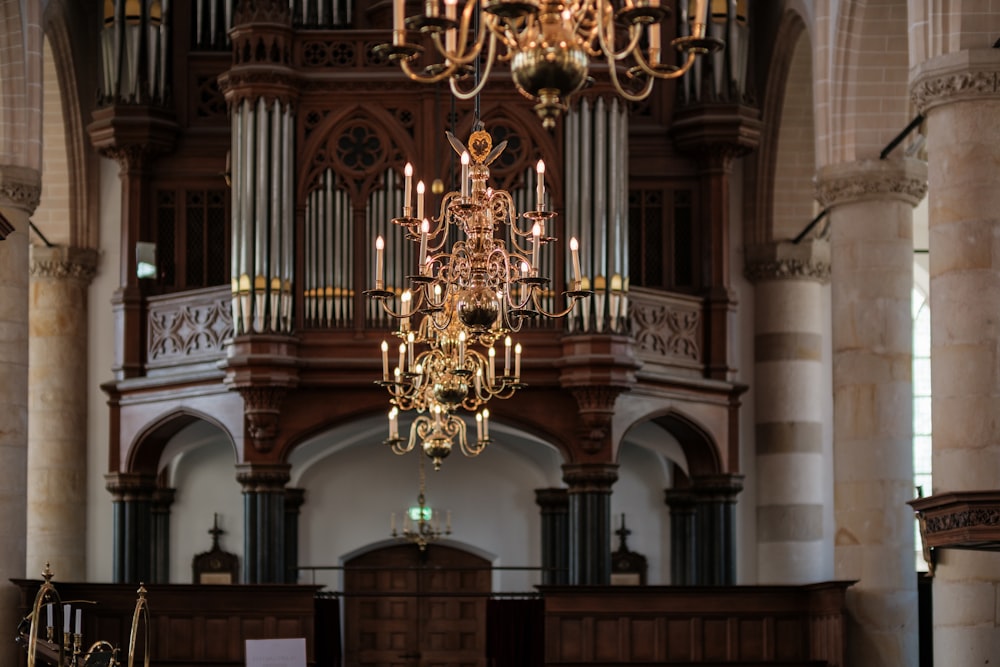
(960, 520)
(262, 410)
(597, 410)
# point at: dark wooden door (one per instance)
(405, 610)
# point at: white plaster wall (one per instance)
(100, 356)
(638, 493)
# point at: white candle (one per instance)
(517, 361)
(698, 19)
(409, 349)
(461, 349)
(385, 361)
(486, 424)
(574, 248)
(402, 358)
(48, 614)
(491, 369)
(407, 188)
(506, 356)
(79, 620)
(405, 300)
(425, 227)
(393, 423)
(654, 43)
(67, 612)
(465, 174)
(398, 14)
(540, 185)
(379, 261)
(420, 199)
(450, 12)
(479, 381)
(536, 235)
(479, 426)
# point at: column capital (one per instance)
(263, 477)
(63, 263)
(872, 180)
(784, 260)
(20, 187)
(294, 499)
(723, 487)
(972, 74)
(130, 486)
(552, 499)
(590, 477)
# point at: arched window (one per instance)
(921, 405)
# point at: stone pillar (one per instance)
(793, 545)
(554, 504)
(960, 96)
(162, 499)
(715, 528)
(590, 521)
(19, 192)
(683, 537)
(132, 547)
(264, 518)
(57, 410)
(871, 218)
(294, 498)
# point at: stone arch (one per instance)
(786, 160)
(20, 97)
(145, 450)
(65, 47)
(696, 442)
(865, 102)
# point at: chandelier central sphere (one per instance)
(548, 43)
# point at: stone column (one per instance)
(554, 504)
(163, 498)
(793, 545)
(715, 528)
(960, 96)
(19, 192)
(683, 537)
(590, 521)
(57, 410)
(871, 218)
(264, 518)
(294, 497)
(132, 549)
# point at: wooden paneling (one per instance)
(741, 625)
(191, 625)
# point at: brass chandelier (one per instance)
(421, 523)
(548, 43)
(466, 300)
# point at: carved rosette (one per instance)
(263, 477)
(20, 187)
(597, 409)
(61, 263)
(262, 410)
(968, 75)
(872, 180)
(590, 477)
(808, 260)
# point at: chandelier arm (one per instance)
(468, 95)
(427, 78)
(606, 39)
(460, 56)
(672, 73)
(562, 313)
(631, 97)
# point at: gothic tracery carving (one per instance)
(178, 331)
(937, 89)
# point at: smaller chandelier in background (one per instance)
(548, 43)
(421, 524)
(466, 300)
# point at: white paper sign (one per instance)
(276, 652)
